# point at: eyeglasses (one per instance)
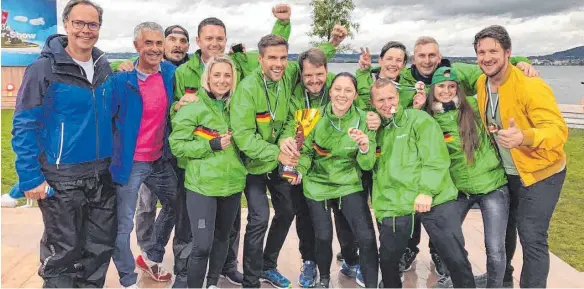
(78, 24)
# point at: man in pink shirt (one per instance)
(142, 99)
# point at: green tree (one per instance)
(325, 14)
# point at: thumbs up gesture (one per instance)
(511, 137)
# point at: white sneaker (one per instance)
(8, 201)
(132, 286)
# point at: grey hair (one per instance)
(73, 3)
(497, 32)
(152, 26)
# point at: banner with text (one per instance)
(26, 25)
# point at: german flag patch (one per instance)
(263, 117)
(320, 151)
(206, 133)
(378, 152)
(191, 90)
(448, 138)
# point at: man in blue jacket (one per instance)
(142, 99)
(62, 137)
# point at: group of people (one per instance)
(423, 143)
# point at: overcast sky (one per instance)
(537, 27)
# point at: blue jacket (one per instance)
(62, 126)
(128, 115)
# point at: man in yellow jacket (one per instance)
(530, 133)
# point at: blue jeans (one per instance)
(495, 211)
(161, 180)
(145, 217)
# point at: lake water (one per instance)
(564, 80)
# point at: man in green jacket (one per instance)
(212, 38)
(313, 92)
(412, 178)
(259, 110)
(427, 59)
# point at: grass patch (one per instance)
(8, 172)
(565, 237)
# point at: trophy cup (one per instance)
(305, 121)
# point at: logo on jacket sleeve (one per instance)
(206, 133)
(320, 150)
(377, 152)
(263, 117)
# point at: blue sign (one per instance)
(26, 25)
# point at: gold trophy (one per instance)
(305, 121)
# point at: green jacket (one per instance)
(255, 132)
(468, 74)
(210, 173)
(189, 74)
(413, 160)
(330, 161)
(298, 102)
(486, 174)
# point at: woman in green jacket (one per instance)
(332, 158)
(215, 174)
(475, 167)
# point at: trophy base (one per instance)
(287, 172)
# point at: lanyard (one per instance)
(308, 100)
(494, 105)
(339, 127)
(275, 111)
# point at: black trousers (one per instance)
(354, 210)
(530, 213)
(211, 221)
(182, 242)
(288, 202)
(80, 232)
(444, 227)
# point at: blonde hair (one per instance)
(426, 40)
(222, 58)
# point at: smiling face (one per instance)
(445, 91)
(313, 77)
(392, 63)
(82, 27)
(212, 40)
(221, 78)
(342, 94)
(427, 58)
(150, 47)
(274, 61)
(491, 57)
(385, 100)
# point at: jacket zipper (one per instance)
(95, 113)
(61, 142)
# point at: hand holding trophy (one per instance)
(305, 121)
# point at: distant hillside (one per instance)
(573, 56)
(576, 52)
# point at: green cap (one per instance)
(444, 73)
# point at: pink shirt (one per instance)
(152, 126)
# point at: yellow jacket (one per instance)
(530, 101)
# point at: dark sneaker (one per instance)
(349, 271)
(481, 280)
(308, 274)
(359, 278)
(439, 267)
(407, 259)
(444, 282)
(275, 279)
(340, 257)
(234, 277)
